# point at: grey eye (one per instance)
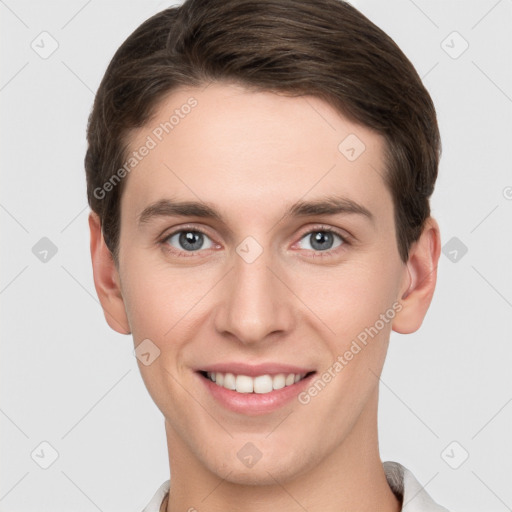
(189, 240)
(321, 240)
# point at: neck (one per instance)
(350, 478)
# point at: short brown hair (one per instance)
(323, 48)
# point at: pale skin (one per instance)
(250, 155)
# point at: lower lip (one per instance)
(253, 404)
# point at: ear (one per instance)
(418, 290)
(106, 279)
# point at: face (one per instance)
(283, 261)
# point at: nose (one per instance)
(255, 301)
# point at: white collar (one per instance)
(413, 495)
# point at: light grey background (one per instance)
(68, 380)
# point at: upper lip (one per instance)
(253, 370)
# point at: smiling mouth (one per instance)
(260, 384)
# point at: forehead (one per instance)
(251, 152)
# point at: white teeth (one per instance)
(279, 381)
(244, 384)
(261, 384)
(229, 381)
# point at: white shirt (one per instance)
(400, 479)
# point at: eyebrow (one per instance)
(330, 205)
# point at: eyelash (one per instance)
(316, 254)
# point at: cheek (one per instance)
(161, 306)
(350, 297)
(358, 307)
(159, 299)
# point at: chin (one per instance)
(267, 475)
(267, 470)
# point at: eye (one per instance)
(322, 239)
(187, 240)
(192, 240)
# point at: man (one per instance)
(259, 174)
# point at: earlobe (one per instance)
(416, 295)
(106, 279)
